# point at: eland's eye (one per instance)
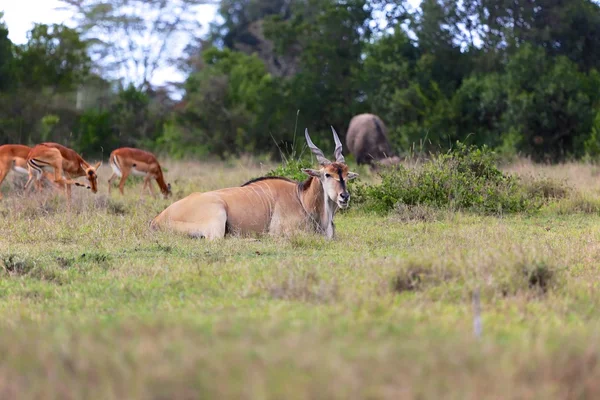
(327, 176)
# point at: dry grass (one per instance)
(93, 304)
(581, 176)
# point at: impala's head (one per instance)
(167, 191)
(333, 175)
(92, 175)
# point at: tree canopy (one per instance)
(518, 76)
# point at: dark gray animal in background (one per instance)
(367, 140)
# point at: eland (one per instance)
(272, 205)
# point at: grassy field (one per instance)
(95, 305)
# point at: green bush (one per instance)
(467, 178)
(292, 169)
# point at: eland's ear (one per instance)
(98, 165)
(352, 175)
(312, 172)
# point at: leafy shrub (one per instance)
(526, 277)
(292, 169)
(15, 265)
(467, 178)
(539, 276)
(415, 276)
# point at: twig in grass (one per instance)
(477, 326)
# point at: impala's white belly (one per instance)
(20, 170)
(136, 172)
(49, 169)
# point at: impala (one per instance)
(65, 163)
(126, 161)
(13, 157)
(271, 205)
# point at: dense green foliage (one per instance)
(519, 78)
(465, 178)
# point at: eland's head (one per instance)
(332, 175)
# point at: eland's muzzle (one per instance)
(343, 200)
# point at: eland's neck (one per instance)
(319, 207)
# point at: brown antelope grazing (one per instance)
(126, 161)
(13, 157)
(271, 205)
(65, 163)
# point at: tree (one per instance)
(7, 78)
(327, 38)
(479, 107)
(568, 28)
(231, 105)
(440, 39)
(239, 16)
(54, 57)
(550, 104)
(132, 39)
(47, 71)
(389, 66)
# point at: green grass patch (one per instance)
(95, 304)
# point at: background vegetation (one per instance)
(519, 77)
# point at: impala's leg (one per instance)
(148, 182)
(58, 185)
(68, 189)
(124, 176)
(31, 178)
(49, 178)
(38, 185)
(151, 186)
(110, 181)
(3, 173)
(63, 182)
(144, 187)
(67, 183)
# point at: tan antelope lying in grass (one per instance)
(271, 205)
(13, 157)
(126, 161)
(65, 163)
